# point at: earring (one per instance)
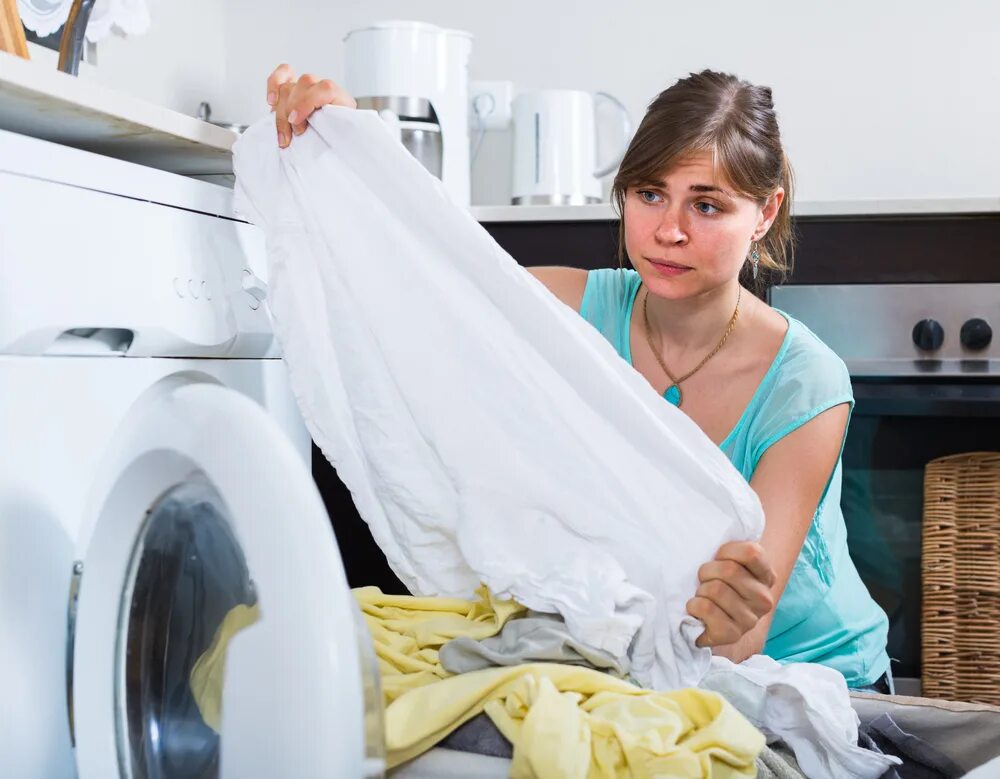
(754, 259)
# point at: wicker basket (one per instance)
(961, 578)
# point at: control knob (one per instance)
(928, 335)
(976, 334)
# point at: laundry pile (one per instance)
(557, 710)
(491, 436)
(562, 720)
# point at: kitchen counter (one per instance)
(806, 208)
(39, 101)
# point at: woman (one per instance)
(704, 192)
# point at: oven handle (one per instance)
(914, 399)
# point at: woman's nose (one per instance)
(670, 230)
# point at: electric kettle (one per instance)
(555, 146)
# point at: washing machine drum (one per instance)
(214, 632)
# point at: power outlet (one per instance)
(489, 104)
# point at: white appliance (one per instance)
(417, 76)
(556, 148)
(153, 474)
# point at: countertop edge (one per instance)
(805, 208)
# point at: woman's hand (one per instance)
(734, 594)
(294, 100)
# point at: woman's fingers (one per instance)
(726, 615)
(296, 119)
(293, 100)
(281, 113)
(734, 594)
(751, 556)
(313, 96)
(752, 590)
(720, 630)
(280, 75)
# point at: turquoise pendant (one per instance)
(673, 395)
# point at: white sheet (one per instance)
(486, 431)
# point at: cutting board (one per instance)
(11, 32)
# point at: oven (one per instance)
(925, 367)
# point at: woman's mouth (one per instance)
(669, 269)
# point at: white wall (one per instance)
(876, 98)
(178, 63)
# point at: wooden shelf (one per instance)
(41, 102)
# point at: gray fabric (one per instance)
(778, 763)
(920, 759)
(478, 736)
(534, 638)
(968, 733)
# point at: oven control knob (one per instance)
(976, 334)
(928, 335)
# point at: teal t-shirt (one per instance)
(825, 614)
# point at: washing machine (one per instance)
(154, 483)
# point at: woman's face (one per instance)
(690, 233)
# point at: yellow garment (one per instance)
(565, 722)
(568, 722)
(408, 631)
(209, 671)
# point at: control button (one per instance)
(976, 334)
(255, 287)
(193, 288)
(178, 287)
(928, 335)
(205, 291)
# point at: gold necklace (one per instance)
(673, 392)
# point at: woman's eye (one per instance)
(648, 196)
(706, 208)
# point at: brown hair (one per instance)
(736, 122)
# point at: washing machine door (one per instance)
(215, 633)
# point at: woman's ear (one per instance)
(768, 213)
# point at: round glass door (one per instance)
(187, 574)
(204, 524)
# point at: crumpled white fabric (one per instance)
(489, 434)
(486, 431)
(805, 705)
(44, 17)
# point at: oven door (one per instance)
(898, 426)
